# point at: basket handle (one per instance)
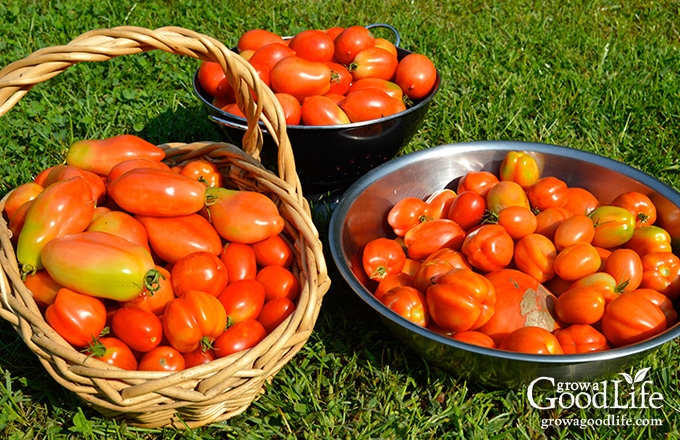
(19, 77)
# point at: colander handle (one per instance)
(397, 37)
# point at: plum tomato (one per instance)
(625, 266)
(467, 209)
(639, 204)
(351, 41)
(213, 80)
(547, 192)
(432, 235)
(373, 62)
(614, 226)
(576, 229)
(240, 261)
(300, 77)
(406, 213)
(368, 104)
(273, 251)
(576, 261)
(519, 221)
(474, 337)
(416, 74)
(202, 271)
(478, 181)
(274, 312)
(535, 255)
(532, 340)
(113, 351)
(278, 282)
(506, 193)
(319, 110)
(409, 303)
(140, 329)
(254, 39)
(242, 299)
(313, 45)
(580, 305)
(488, 248)
(580, 200)
(238, 337)
(581, 338)
(162, 358)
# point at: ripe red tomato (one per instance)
(549, 219)
(123, 225)
(581, 338)
(76, 317)
(416, 75)
(242, 299)
(374, 62)
(613, 226)
(580, 305)
(20, 195)
(278, 282)
(193, 320)
(157, 298)
(661, 272)
(274, 312)
(386, 86)
(532, 340)
(576, 229)
(478, 181)
(204, 171)
(504, 194)
(238, 337)
(273, 251)
(535, 255)
(114, 352)
(313, 45)
(394, 280)
(406, 213)
(519, 221)
(270, 54)
(409, 303)
(162, 358)
(369, 104)
(240, 261)
(625, 266)
(439, 203)
(577, 261)
(43, 288)
(341, 78)
(488, 248)
(640, 205)
(432, 235)
(381, 257)
(650, 238)
(467, 209)
(95, 182)
(454, 257)
(474, 337)
(631, 318)
(292, 109)
(520, 167)
(198, 357)
(300, 77)
(351, 41)
(386, 44)
(321, 110)
(580, 201)
(200, 270)
(140, 329)
(547, 192)
(661, 301)
(254, 39)
(601, 281)
(429, 271)
(213, 80)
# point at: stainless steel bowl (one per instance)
(360, 216)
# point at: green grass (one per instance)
(601, 76)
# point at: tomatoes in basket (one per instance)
(78, 318)
(204, 171)
(278, 282)
(162, 358)
(240, 261)
(122, 224)
(113, 351)
(193, 320)
(274, 312)
(416, 74)
(238, 337)
(273, 251)
(201, 270)
(20, 195)
(140, 329)
(242, 299)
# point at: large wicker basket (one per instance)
(223, 388)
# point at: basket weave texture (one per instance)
(222, 388)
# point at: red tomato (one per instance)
(334, 32)
(407, 302)
(411, 266)
(157, 298)
(580, 201)
(650, 238)
(131, 164)
(173, 238)
(386, 86)
(238, 337)
(576, 229)
(474, 337)
(416, 75)
(601, 281)
(532, 340)
(162, 358)
(547, 192)
(292, 110)
(519, 221)
(477, 181)
(273, 251)
(661, 301)
(278, 282)
(461, 300)
(242, 299)
(488, 248)
(580, 305)
(94, 181)
(374, 62)
(140, 329)
(269, 55)
(351, 41)
(625, 266)
(114, 352)
(341, 78)
(432, 235)
(193, 320)
(439, 203)
(467, 209)
(381, 257)
(369, 104)
(313, 45)
(454, 257)
(254, 39)
(299, 77)
(613, 226)
(405, 214)
(520, 167)
(204, 171)
(122, 224)
(429, 271)
(274, 312)
(200, 270)
(577, 261)
(504, 194)
(16, 223)
(213, 80)
(535, 255)
(631, 318)
(198, 357)
(581, 338)
(100, 155)
(78, 318)
(20, 195)
(640, 205)
(321, 110)
(42, 286)
(549, 219)
(661, 272)
(240, 261)
(263, 71)
(387, 45)
(394, 280)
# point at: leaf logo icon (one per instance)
(639, 377)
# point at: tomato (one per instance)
(233, 109)
(506, 193)
(407, 302)
(535, 255)
(386, 44)
(351, 41)
(300, 77)
(16, 223)
(274, 312)
(278, 282)
(322, 110)
(162, 358)
(406, 213)
(662, 301)
(576, 261)
(520, 301)
(477, 181)
(547, 192)
(474, 337)
(661, 272)
(432, 235)
(601, 281)
(156, 298)
(292, 109)
(76, 317)
(254, 39)
(130, 164)
(576, 229)
(461, 300)
(416, 75)
(580, 305)
(640, 205)
(374, 62)
(42, 286)
(193, 320)
(198, 357)
(269, 55)
(204, 171)
(369, 104)
(454, 257)
(519, 221)
(313, 45)
(63, 208)
(200, 270)
(411, 266)
(99, 264)
(334, 32)
(519, 167)
(488, 248)
(580, 201)
(213, 80)
(532, 340)
(341, 78)
(140, 329)
(242, 299)
(100, 155)
(240, 260)
(631, 318)
(273, 251)
(613, 226)
(94, 181)
(381, 257)
(429, 271)
(238, 337)
(122, 224)
(386, 86)
(263, 72)
(625, 266)
(172, 238)
(243, 216)
(467, 209)
(549, 219)
(20, 195)
(114, 352)
(581, 338)
(393, 280)
(439, 203)
(651, 238)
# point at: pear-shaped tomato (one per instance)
(100, 155)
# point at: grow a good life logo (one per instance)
(629, 392)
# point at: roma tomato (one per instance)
(581, 338)
(394, 280)
(432, 235)
(520, 167)
(113, 351)
(580, 200)
(650, 238)
(631, 318)
(661, 301)
(369, 104)
(172, 238)
(140, 329)
(601, 281)
(661, 272)
(406, 213)
(416, 75)
(454, 257)
(409, 303)
(242, 299)
(130, 164)
(350, 42)
(100, 264)
(270, 54)
(478, 181)
(535, 255)
(429, 271)
(474, 337)
(300, 77)
(274, 312)
(213, 80)
(639, 204)
(549, 219)
(204, 171)
(20, 195)
(243, 216)
(374, 62)
(467, 209)
(63, 208)
(547, 192)
(162, 358)
(625, 266)
(576, 229)
(238, 337)
(278, 282)
(198, 357)
(42, 286)
(100, 155)
(386, 44)
(613, 226)
(341, 79)
(202, 271)
(94, 181)
(78, 318)
(439, 203)
(577, 261)
(519, 221)
(580, 305)
(313, 45)
(322, 110)
(122, 224)
(461, 300)
(506, 193)
(193, 320)
(386, 86)
(292, 109)
(273, 251)
(532, 340)
(240, 261)
(156, 298)
(488, 248)
(254, 39)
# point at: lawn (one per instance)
(601, 76)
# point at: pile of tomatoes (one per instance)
(327, 77)
(146, 266)
(523, 262)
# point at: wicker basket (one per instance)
(225, 387)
